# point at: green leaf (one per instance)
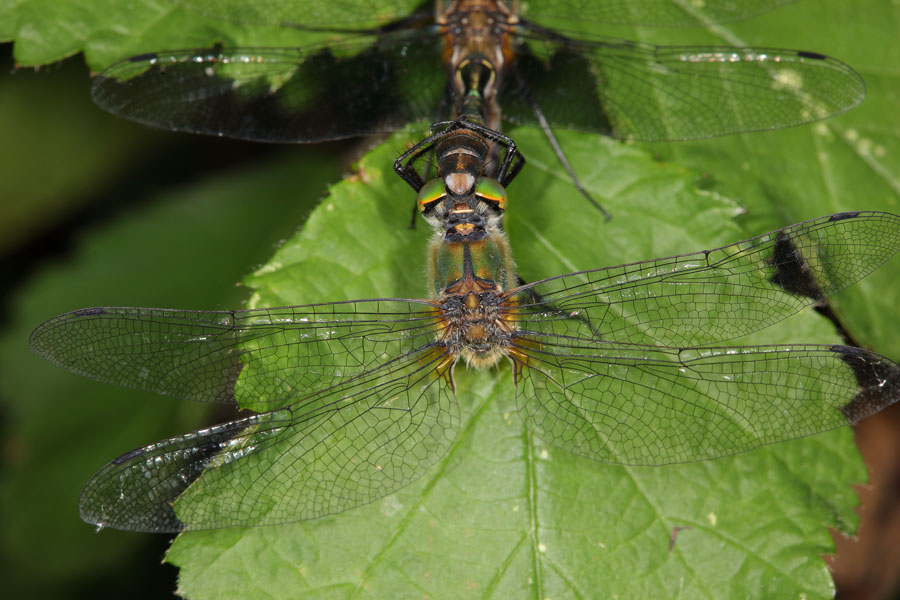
(503, 513)
(46, 31)
(187, 249)
(846, 163)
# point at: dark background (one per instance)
(95, 210)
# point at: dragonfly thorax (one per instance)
(474, 328)
(470, 266)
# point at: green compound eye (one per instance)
(430, 193)
(491, 191)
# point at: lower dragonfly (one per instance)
(356, 399)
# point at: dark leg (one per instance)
(415, 212)
(545, 126)
(512, 156)
(541, 305)
(405, 172)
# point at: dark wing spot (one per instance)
(813, 55)
(183, 466)
(792, 274)
(878, 379)
(843, 216)
(86, 312)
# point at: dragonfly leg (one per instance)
(415, 213)
(513, 161)
(545, 126)
(535, 298)
(403, 167)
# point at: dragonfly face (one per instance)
(460, 160)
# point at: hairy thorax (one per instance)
(475, 327)
(471, 269)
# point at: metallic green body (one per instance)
(488, 259)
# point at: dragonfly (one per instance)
(386, 64)
(354, 400)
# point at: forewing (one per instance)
(279, 354)
(645, 405)
(362, 14)
(714, 295)
(359, 440)
(630, 90)
(647, 12)
(308, 94)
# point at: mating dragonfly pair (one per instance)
(356, 399)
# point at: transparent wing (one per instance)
(346, 445)
(323, 92)
(630, 90)
(715, 295)
(648, 12)
(645, 405)
(365, 13)
(276, 354)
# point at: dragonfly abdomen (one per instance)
(478, 51)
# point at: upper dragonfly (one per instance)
(389, 64)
